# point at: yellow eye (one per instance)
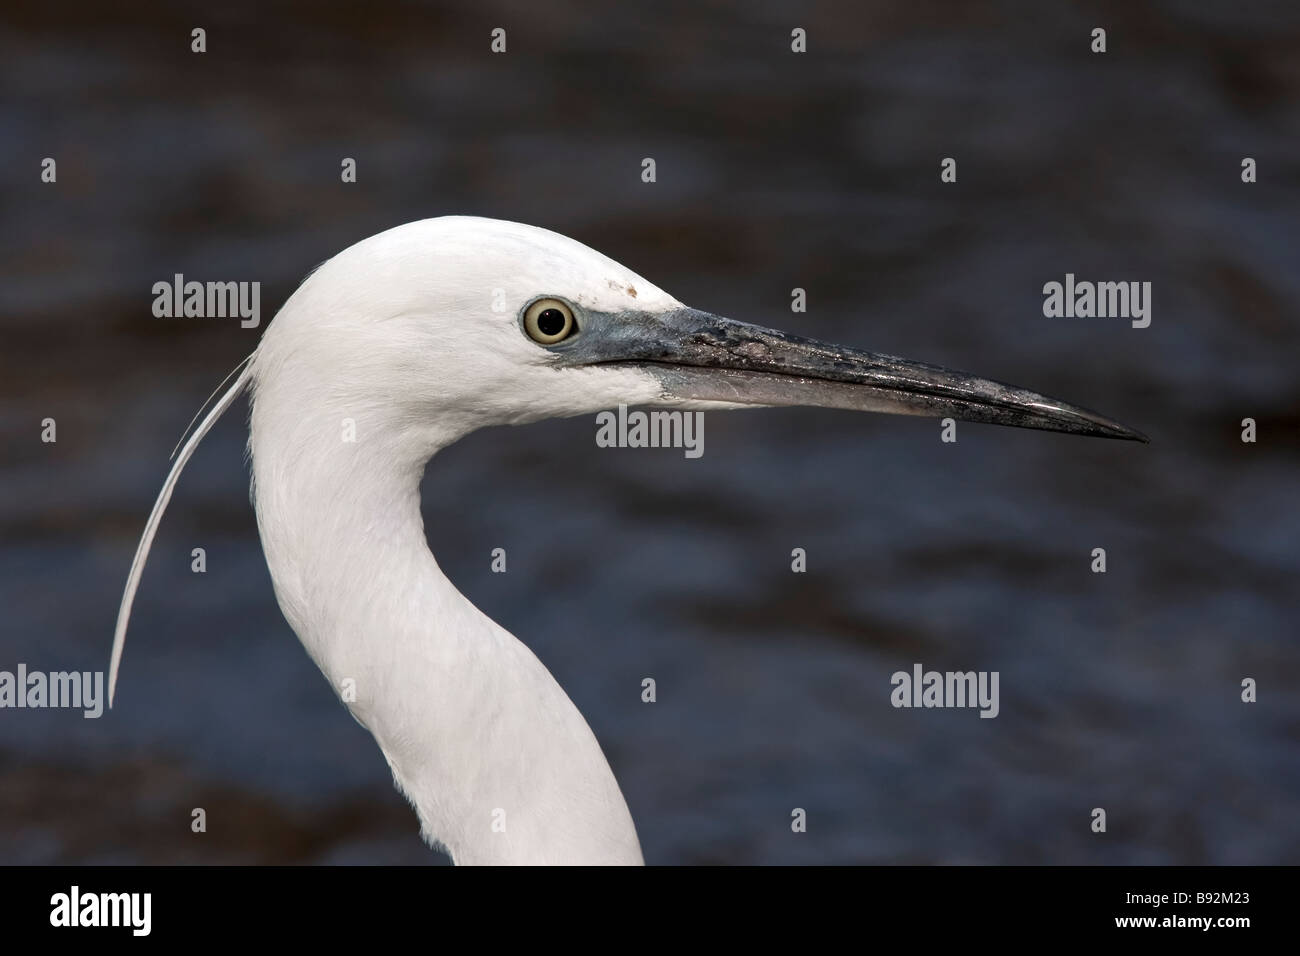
(548, 321)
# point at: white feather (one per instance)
(155, 518)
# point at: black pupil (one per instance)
(551, 322)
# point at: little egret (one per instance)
(415, 337)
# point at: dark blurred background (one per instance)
(775, 170)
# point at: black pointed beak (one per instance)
(699, 357)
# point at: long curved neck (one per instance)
(495, 758)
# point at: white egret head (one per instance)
(439, 327)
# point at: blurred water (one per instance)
(820, 171)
